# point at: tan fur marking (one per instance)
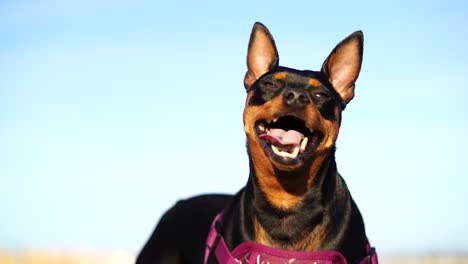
(314, 82)
(311, 242)
(285, 193)
(263, 166)
(261, 236)
(280, 76)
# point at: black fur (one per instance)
(181, 234)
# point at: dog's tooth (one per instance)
(275, 150)
(274, 120)
(285, 154)
(280, 152)
(304, 143)
(295, 152)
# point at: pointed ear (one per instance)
(343, 65)
(262, 55)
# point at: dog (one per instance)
(295, 202)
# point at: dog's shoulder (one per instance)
(183, 229)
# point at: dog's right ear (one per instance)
(262, 55)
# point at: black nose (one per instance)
(297, 98)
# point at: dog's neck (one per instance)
(325, 218)
(300, 223)
(285, 190)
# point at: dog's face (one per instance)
(292, 117)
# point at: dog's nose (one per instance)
(297, 98)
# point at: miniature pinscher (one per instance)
(295, 199)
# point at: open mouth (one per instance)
(287, 139)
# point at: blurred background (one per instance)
(111, 111)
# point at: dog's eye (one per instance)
(269, 86)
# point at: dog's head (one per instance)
(292, 117)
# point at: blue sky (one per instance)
(110, 111)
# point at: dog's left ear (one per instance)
(262, 55)
(343, 65)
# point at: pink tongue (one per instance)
(278, 135)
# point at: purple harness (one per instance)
(250, 253)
